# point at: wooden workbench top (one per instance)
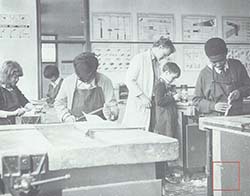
(236, 124)
(80, 145)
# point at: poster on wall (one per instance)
(113, 57)
(15, 26)
(194, 58)
(152, 26)
(111, 26)
(241, 53)
(198, 27)
(236, 29)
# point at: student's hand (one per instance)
(19, 111)
(70, 119)
(221, 107)
(110, 111)
(106, 111)
(234, 95)
(145, 101)
(28, 107)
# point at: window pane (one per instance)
(48, 53)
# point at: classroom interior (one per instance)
(209, 156)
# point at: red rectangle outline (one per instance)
(235, 162)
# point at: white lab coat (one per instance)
(139, 79)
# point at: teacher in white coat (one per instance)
(141, 77)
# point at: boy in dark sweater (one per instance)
(165, 98)
(166, 113)
(222, 84)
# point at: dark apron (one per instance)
(87, 100)
(11, 103)
(221, 88)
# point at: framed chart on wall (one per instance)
(111, 26)
(152, 26)
(113, 57)
(194, 58)
(198, 28)
(236, 29)
(15, 26)
(241, 53)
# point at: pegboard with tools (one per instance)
(113, 57)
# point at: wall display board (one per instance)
(198, 28)
(111, 26)
(14, 26)
(113, 57)
(194, 58)
(236, 29)
(152, 26)
(241, 53)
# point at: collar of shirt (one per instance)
(219, 70)
(83, 85)
(54, 84)
(153, 57)
(9, 88)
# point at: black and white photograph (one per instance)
(124, 98)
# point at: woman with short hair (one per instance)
(12, 102)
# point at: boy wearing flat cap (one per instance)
(221, 85)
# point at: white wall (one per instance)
(217, 8)
(23, 50)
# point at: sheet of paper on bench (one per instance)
(93, 118)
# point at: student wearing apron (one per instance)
(88, 100)
(86, 91)
(222, 84)
(12, 102)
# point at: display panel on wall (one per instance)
(241, 53)
(113, 57)
(152, 26)
(194, 58)
(198, 28)
(15, 26)
(111, 26)
(236, 29)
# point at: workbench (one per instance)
(191, 140)
(228, 142)
(102, 159)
